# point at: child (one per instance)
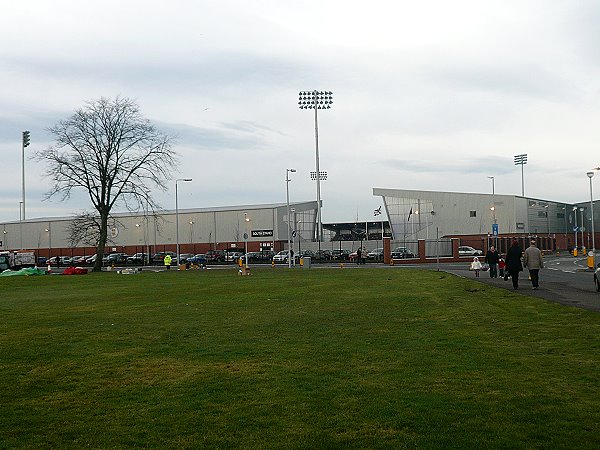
(476, 266)
(501, 266)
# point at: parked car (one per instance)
(597, 278)
(322, 255)
(213, 256)
(184, 258)
(138, 258)
(198, 259)
(233, 256)
(282, 257)
(78, 260)
(465, 250)
(376, 254)
(352, 256)
(401, 253)
(64, 260)
(91, 259)
(115, 258)
(340, 255)
(159, 258)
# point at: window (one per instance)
(473, 213)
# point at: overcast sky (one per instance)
(431, 95)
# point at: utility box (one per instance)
(305, 262)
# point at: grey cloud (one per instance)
(525, 81)
(464, 167)
(233, 136)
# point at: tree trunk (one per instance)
(101, 241)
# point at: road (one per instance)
(565, 280)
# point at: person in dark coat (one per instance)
(513, 263)
(492, 257)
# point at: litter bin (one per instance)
(306, 262)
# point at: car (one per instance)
(376, 254)
(597, 278)
(213, 256)
(115, 258)
(340, 255)
(137, 258)
(233, 256)
(402, 253)
(64, 260)
(184, 258)
(159, 258)
(198, 259)
(465, 250)
(322, 255)
(91, 259)
(78, 259)
(354, 255)
(281, 257)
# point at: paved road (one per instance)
(565, 280)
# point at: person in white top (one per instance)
(476, 266)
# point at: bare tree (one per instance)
(110, 150)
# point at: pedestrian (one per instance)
(501, 266)
(476, 266)
(358, 255)
(513, 263)
(492, 257)
(168, 261)
(532, 259)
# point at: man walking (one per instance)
(492, 257)
(532, 259)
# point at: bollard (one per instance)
(272, 263)
(341, 265)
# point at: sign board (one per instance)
(262, 233)
(575, 229)
(245, 235)
(495, 229)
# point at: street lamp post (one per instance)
(590, 175)
(247, 222)
(493, 208)
(582, 227)
(575, 227)
(177, 214)
(287, 198)
(25, 143)
(521, 160)
(316, 100)
(21, 208)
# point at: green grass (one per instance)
(365, 358)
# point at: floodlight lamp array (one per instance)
(315, 99)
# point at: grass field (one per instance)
(328, 358)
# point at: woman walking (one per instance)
(513, 263)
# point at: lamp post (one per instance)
(25, 143)
(177, 214)
(247, 222)
(287, 199)
(582, 227)
(493, 208)
(49, 231)
(21, 207)
(521, 160)
(316, 100)
(575, 227)
(590, 175)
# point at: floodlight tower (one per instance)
(316, 100)
(521, 160)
